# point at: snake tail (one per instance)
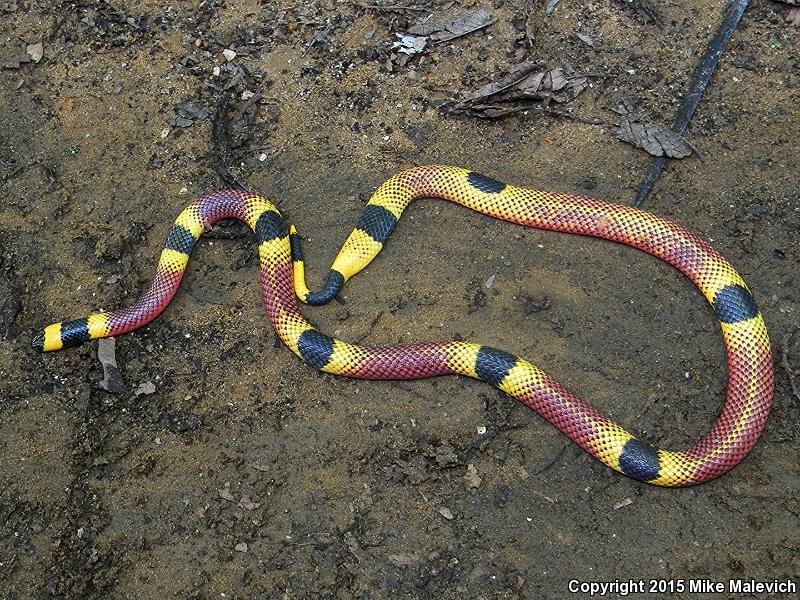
(749, 357)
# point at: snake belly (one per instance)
(750, 366)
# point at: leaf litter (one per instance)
(449, 29)
(426, 33)
(653, 138)
(644, 133)
(526, 86)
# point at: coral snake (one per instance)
(750, 367)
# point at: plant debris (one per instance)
(416, 38)
(112, 377)
(653, 138)
(551, 6)
(186, 113)
(146, 388)
(225, 493)
(472, 479)
(524, 87)
(450, 29)
(623, 503)
(35, 51)
(408, 46)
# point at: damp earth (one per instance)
(221, 466)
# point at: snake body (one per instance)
(750, 368)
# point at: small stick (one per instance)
(732, 13)
(507, 110)
(552, 461)
(787, 367)
(391, 7)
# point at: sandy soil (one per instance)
(246, 474)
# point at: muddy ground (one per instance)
(236, 471)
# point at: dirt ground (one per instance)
(230, 469)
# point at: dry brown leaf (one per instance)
(524, 83)
(653, 138)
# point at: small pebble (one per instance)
(241, 547)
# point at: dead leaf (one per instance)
(225, 493)
(35, 51)
(653, 139)
(517, 73)
(472, 479)
(186, 113)
(446, 30)
(410, 44)
(525, 83)
(419, 36)
(112, 377)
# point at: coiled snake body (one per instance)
(750, 370)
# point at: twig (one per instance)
(553, 461)
(531, 30)
(787, 367)
(548, 498)
(501, 111)
(371, 327)
(391, 7)
(704, 69)
(458, 35)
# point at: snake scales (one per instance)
(750, 369)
